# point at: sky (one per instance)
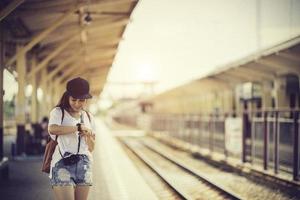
(171, 42)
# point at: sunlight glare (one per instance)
(146, 73)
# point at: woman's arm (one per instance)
(90, 141)
(61, 130)
(89, 138)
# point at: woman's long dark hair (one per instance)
(64, 104)
(64, 101)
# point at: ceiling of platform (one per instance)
(68, 37)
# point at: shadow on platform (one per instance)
(26, 181)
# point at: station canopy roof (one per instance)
(262, 66)
(68, 37)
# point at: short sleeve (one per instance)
(55, 116)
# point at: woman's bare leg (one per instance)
(81, 192)
(64, 192)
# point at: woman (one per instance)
(73, 128)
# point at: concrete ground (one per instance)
(114, 176)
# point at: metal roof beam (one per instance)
(260, 68)
(103, 39)
(11, 7)
(278, 66)
(60, 6)
(228, 79)
(255, 73)
(81, 71)
(220, 81)
(51, 56)
(90, 56)
(290, 56)
(240, 75)
(89, 50)
(63, 64)
(97, 27)
(41, 36)
(233, 77)
(74, 25)
(96, 73)
(71, 69)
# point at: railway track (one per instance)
(184, 181)
(159, 187)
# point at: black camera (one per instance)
(71, 160)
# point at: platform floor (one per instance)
(114, 175)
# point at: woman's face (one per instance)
(77, 104)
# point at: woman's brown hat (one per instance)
(79, 88)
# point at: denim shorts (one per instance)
(72, 175)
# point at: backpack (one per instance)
(51, 145)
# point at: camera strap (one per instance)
(79, 138)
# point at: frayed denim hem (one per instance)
(84, 184)
(63, 184)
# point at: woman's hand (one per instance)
(90, 141)
(88, 136)
(84, 130)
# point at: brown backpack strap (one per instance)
(87, 113)
(62, 118)
(62, 114)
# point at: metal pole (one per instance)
(190, 128)
(276, 140)
(210, 132)
(245, 121)
(266, 141)
(201, 130)
(224, 143)
(1, 89)
(296, 147)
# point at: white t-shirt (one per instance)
(69, 142)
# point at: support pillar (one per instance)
(58, 92)
(50, 95)
(43, 103)
(4, 164)
(34, 103)
(55, 90)
(227, 101)
(1, 90)
(266, 95)
(280, 93)
(20, 105)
